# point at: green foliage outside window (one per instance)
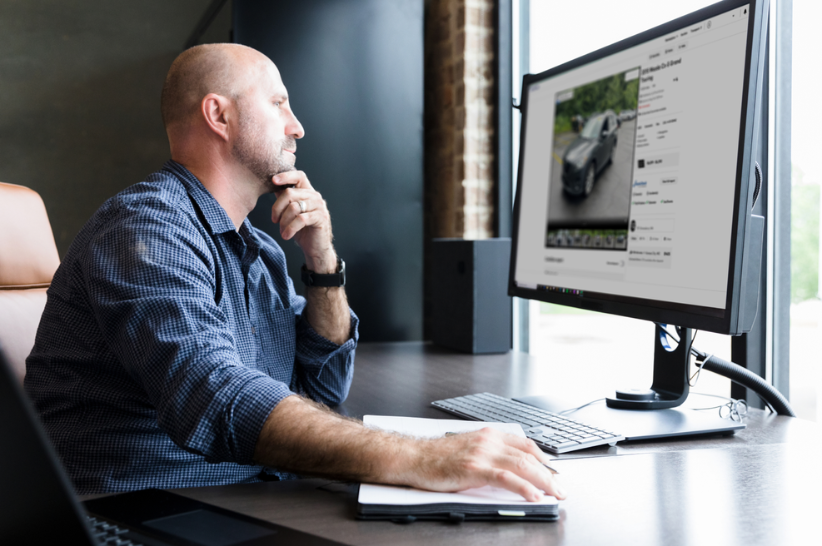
(804, 238)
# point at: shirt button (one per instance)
(253, 330)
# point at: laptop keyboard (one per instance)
(109, 534)
(551, 431)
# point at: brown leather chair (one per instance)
(28, 260)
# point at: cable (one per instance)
(693, 350)
(742, 376)
(736, 373)
(694, 379)
(728, 398)
(691, 381)
(563, 412)
(691, 346)
(735, 410)
(664, 328)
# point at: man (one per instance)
(173, 350)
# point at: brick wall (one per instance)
(460, 114)
(459, 126)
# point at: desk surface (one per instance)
(760, 486)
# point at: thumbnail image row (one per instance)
(606, 239)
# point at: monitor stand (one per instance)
(670, 386)
(668, 391)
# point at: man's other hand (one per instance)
(303, 215)
(303, 437)
(484, 457)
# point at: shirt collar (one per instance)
(215, 215)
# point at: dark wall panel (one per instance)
(354, 73)
(80, 85)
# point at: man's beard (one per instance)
(263, 160)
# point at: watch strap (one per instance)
(329, 280)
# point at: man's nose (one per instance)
(295, 128)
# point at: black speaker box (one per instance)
(471, 309)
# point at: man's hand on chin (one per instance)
(303, 215)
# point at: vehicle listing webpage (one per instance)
(629, 166)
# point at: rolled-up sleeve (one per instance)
(152, 283)
(324, 369)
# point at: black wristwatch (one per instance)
(337, 279)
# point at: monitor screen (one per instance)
(630, 173)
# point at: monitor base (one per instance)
(641, 425)
(669, 391)
(656, 404)
(670, 386)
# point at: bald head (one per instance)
(229, 121)
(224, 69)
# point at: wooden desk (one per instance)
(760, 486)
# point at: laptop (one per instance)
(38, 505)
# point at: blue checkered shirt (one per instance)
(168, 338)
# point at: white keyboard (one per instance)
(551, 431)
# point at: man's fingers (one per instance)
(297, 179)
(291, 198)
(290, 227)
(522, 450)
(531, 469)
(490, 457)
(527, 445)
(289, 186)
(292, 222)
(505, 479)
(311, 213)
(522, 458)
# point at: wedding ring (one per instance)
(302, 206)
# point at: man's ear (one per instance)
(216, 110)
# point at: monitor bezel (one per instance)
(724, 321)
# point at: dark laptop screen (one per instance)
(37, 504)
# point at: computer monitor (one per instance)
(636, 182)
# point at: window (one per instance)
(806, 307)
